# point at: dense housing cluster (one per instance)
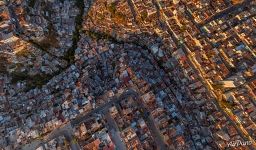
(127, 74)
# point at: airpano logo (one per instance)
(239, 143)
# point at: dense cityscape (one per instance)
(127, 74)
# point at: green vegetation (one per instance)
(144, 15)
(37, 81)
(97, 35)
(3, 68)
(183, 28)
(101, 35)
(46, 8)
(40, 46)
(160, 63)
(3, 62)
(100, 16)
(31, 3)
(120, 17)
(112, 8)
(49, 41)
(18, 76)
(227, 104)
(23, 53)
(33, 81)
(27, 10)
(70, 54)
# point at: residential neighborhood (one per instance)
(127, 74)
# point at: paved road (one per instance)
(233, 9)
(133, 9)
(195, 66)
(246, 82)
(225, 60)
(67, 129)
(114, 132)
(158, 137)
(116, 99)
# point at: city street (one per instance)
(67, 129)
(127, 75)
(114, 131)
(233, 9)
